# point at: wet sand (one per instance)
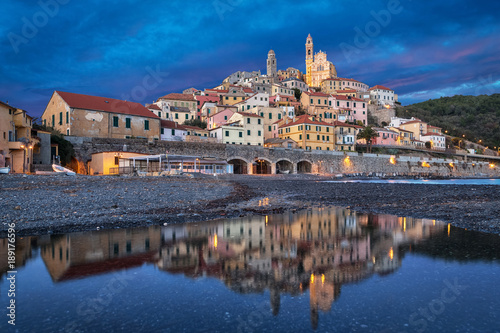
(59, 204)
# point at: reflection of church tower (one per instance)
(271, 64)
(309, 58)
(275, 300)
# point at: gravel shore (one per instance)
(60, 204)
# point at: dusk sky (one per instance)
(141, 50)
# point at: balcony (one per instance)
(15, 145)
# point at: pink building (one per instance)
(219, 119)
(356, 108)
(386, 137)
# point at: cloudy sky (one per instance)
(140, 50)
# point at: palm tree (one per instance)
(368, 133)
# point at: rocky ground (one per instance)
(59, 204)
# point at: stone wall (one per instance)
(320, 161)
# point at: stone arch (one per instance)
(304, 166)
(240, 165)
(262, 166)
(284, 165)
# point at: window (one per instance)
(270, 115)
(53, 120)
(117, 160)
(259, 133)
(269, 129)
(187, 116)
(146, 125)
(248, 120)
(240, 134)
(258, 121)
(67, 117)
(248, 132)
(127, 122)
(173, 131)
(115, 121)
(176, 116)
(317, 137)
(159, 114)
(279, 115)
(227, 133)
(307, 136)
(300, 136)
(60, 118)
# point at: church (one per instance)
(318, 68)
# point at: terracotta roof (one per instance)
(193, 127)
(170, 124)
(154, 107)
(346, 79)
(432, 133)
(380, 87)
(97, 103)
(247, 114)
(346, 98)
(304, 119)
(316, 94)
(343, 91)
(178, 97)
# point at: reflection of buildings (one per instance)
(79, 255)
(318, 249)
(23, 251)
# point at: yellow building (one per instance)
(16, 143)
(405, 137)
(316, 103)
(318, 68)
(100, 117)
(107, 163)
(309, 134)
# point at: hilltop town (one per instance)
(312, 111)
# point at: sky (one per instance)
(142, 50)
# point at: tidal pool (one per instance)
(323, 270)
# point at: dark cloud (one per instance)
(421, 49)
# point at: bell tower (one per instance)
(309, 58)
(271, 64)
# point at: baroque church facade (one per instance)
(318, 68)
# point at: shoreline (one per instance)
(42, 204)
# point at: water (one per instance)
(426, 181)
(320, 270)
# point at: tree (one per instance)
(196, 122)
(297, 93)
(368, 134)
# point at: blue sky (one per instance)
(140, 50)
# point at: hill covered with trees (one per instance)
(476, 117)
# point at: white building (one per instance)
(293, 83)
(171, 131)
(437, 140)
(258, 99)
(382, 96)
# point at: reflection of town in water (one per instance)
(315, 251)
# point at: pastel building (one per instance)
(172, 131)
(258, 99)
(356, 108)
(100, 117)
(295, 83)
(219, 119)
(386, 137)
(16, 142)
(382, 96)
(331, 85)
(309, 134)
(437, 140)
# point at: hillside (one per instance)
(478, 117)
